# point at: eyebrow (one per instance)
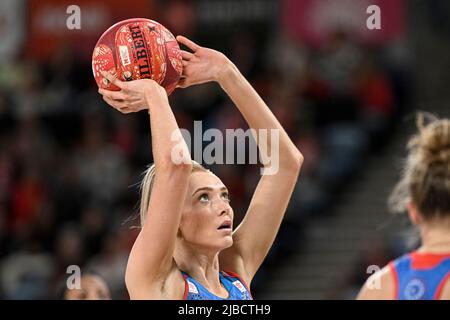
(209, 189)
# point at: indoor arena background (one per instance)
(70, 165)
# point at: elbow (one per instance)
(184, 169)
(177, 160)
(171, 168)
(175, 169)
(128, 280)
(298, 159)
(293, 161)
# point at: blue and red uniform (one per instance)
(236, 287)
(420, 276)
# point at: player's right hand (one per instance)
(134, 95)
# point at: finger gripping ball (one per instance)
(137, 49)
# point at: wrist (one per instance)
(226, 72)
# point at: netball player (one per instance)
(424, 191)
(188, 247)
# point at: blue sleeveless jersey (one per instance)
(236, 287)
(420, 276)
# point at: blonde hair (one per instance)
(147, 186)
(426, 176)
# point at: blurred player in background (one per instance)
(187, 248)
(92, 287)
(424, 191)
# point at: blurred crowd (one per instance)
(70, 165)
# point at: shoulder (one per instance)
(174, 286)
(445, 293)
(232, 263)
(380, 286)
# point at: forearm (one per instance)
(257, 114)
(168, 146)
(152, 252)
(171, 173)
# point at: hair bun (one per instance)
(433, 139)
(426, 175)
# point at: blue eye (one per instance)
(226, 196)
(203, 197)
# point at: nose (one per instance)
(224, 211)
(222, 207)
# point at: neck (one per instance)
(200, 264)
(435, 238)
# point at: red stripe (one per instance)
(427, 260)
(438, 293)
(235, 275)
(186, 287)
(396, 284)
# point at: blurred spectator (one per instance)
(101, 166)
(92, 287)
(28, 197)
(112, 261)
(69, 248)
(93, 220)
(26, 275)
(69, 196)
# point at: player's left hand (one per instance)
(201, 65)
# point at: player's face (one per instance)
(207, 218)
(92, 288)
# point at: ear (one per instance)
(413, 214)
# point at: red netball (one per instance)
(137, 49)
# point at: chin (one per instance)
(228, 242)
(223, 243)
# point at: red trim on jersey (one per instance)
(235, 275)
(394, 273)
(421, 260)
(186, 287)
(438, 293)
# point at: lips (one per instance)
(226, 225)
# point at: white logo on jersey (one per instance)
(239, 285)
(192, 287)
(414, 290)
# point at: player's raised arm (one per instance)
(152, 254)
(255, 235)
